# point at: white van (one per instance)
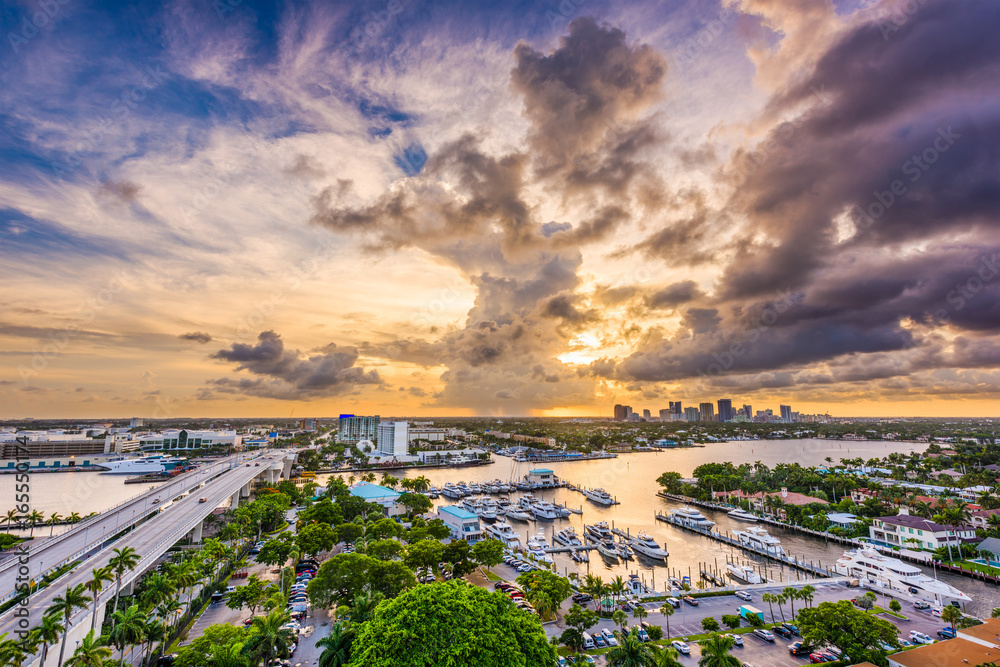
(588, 641)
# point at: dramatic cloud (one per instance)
(197, 337)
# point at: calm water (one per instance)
(631, 478)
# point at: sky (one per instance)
(243, 208)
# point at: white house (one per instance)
(908, 531)
(385, 497)
(464, 524)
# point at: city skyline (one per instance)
(243, 210)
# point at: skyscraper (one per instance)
(691, 414)
(355, 429)
(621, 413)
(393, 438)
(748, 411)
(707, 411)
(646, 414)
(665, 414)
(786, 414)
(725, 409)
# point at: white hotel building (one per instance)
(181, 440)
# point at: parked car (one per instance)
(599, 641)
(643, 635)
(690, 600)
(921, 604)
(920, 638)
(905, 643)
(737, 640)
(946, 633)
(743, 595)
(791, 628)
(817, 658)
(582, 598)
(681, 647)
(764, 634)
(782, 631)
(798, 648)
(673, 602)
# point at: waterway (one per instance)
(630, 477)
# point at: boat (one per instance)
(561, 511)
(757, 538)
(741, 514)
(624, 551)
(647, 546)
(544, 510)
(876, 570)
(743, 573)
(568, 537)
(692, 518)
(537, 545)
(608, 549)
(452, 491)
(580, 556)
(501, 530)
(517, 515)
(140, 465)
(635, 586)
(599, 496)
(599, 531)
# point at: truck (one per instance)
(746, 611)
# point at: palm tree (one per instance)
(34, 519)
(123, 560)
(364, 605)
(157, 588)
(781, 599)
(11, 517)
(186, 576)
(90, 653)
(65, 606)
(951, 614)
(336, 646)
(155, 631)
(268, 639)
(421, 483)
(770, 598)
(806, 594)
(791, 595)
(666, 656)
(667, 610)
(617, 586)
(715, 652)
(593, 586)
(46, 633)
(52, 521)
(128, 628)
(640, 613)
(619, 618)
(12, 652)
(74, 517)
(229, 656)
(630, 652)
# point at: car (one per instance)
(920, 638)
(673, 602)
(562, 662)
(643, 635)
(764, 634)
(586, 660)
(817, 658)
(946, 633)
(681, 647)
(791, 628)
(921, 604)
(782, 631)
(936, 612)
(582, 598)
(798, 648)
(203, 500)
(690, 600)
(905, 643)
(248, 465)
(599, 641)
(737, 640)
(743, 595)
(156, 501)
(257, 464)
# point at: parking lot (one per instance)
(686, 621)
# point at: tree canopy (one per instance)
(451, 625)
(344, 576)
(854, 632)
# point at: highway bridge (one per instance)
(178, 512)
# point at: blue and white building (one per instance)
(373, 493)
(464, 525)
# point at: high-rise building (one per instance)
(646, 414)
(136, 422)
(786, 414)
(354, 429)
(622, 412)
(748, 411)
(665, 414)
(393, 438)
(707, 411)
(691, 414)
(726, 409)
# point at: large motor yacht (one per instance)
(878, 571)
(741, 514)
(140, 465)
(599, 496)
(599, 531)
(647, 546)
(501, 530)
(568, 537)
(744, 573)
(692, 518)
(757, 538)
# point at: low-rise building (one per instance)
(909, 531)
(373, 493)
(979, 645)
(464, 525)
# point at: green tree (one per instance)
(667, 610)
(866, 601)
(639, 613)
(415, 503)
(425, 553)
(345, 575)
(63, 608)
(715, 652)
(770, 598)
(46, 633)
(545, 591)
(384, 549)
(854, 632)
(348, 532)
(488, 552)
(458, 624)
(731, 621)
(581, 618)
(671, 482)
(630, 652)
(253, 594)
(709, 624)
(619, 618)
(384, 529)
(807, 593)
(122, 560)
(90, 653)
(198, 653)
(336, 646)
(573, 639)
(315, 538)
(268, 639)
(951, 614)
(791, 594)
(276, 551)
(128, 628)
(666, 656)
(895, 606)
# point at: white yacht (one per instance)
(757, 538)
(452, 491)
(517, 515)
(692, 518)
(876, 570)
(647, 546)
(536, 547)
(501, 530)
(741, 514)
(608, 549)
(580, 556)
(488, 510)
(743, 573)
(624, 551)
(140, 465)
(544, 510)
(568, 537)
(599, 531)
(599, 496)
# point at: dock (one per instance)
(813, 569)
